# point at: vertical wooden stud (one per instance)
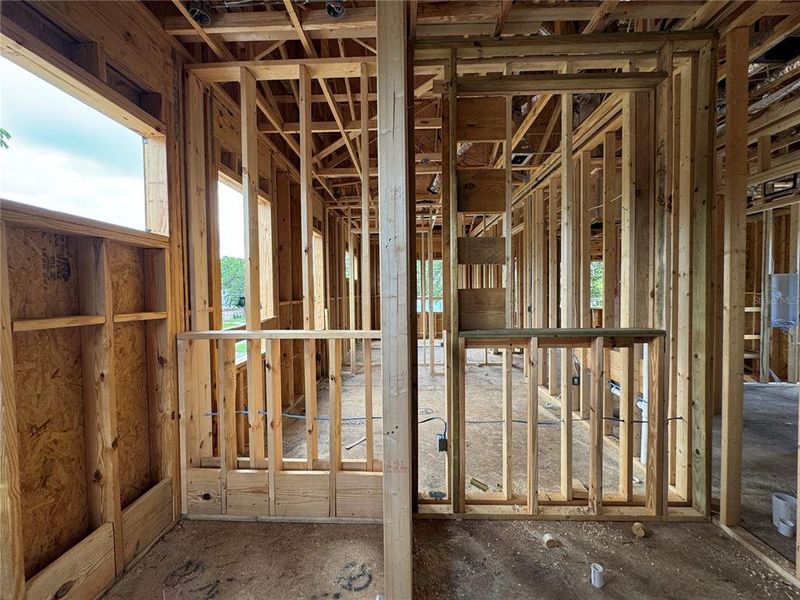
(255, 372)
(736, 86)
(596, 427)
(12, 560)
(396, 233)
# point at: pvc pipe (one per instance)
(597, 575)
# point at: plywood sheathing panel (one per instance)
(50, 422)
(127, 278)
(42, 272)
(133, 429)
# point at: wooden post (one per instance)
(656, 488)
(508, 282)
(275, 438)
(351, 289)
(703, 302)
(539, 282)
(335, 458)
(431, 314)
(736, 89)
(422, 296)
(226, 411)
(454, 377)
(596, 427)
(567, 290)
(307, 244)
(366, 267)
(533, 429)
(627, 399)
(99, 394)
(584, 223)
(767, 268)
(610, 259)
(794, 267)
(196, 209)
(684, 241)
(12, 559)
(397, 224)
(255, 369)
(765, 343)
(552, 274)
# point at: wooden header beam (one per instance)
(573, 45)
(553, 83)
(275, 70)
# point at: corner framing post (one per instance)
(12, 560)
(733, 274)
(702, 313)
(398, 334)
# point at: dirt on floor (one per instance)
(482, 560)
(211, 560)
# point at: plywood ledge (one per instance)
(82, 572)
(146, 519)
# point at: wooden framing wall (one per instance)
(623, 124)
(112, 486)
(93, 305)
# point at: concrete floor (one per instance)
(204, 560)
(769, 458)
(481, 559)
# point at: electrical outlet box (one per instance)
(576, 380)
(442, 442)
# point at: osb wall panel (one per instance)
(127, 278)
(42, 270)
(49, 390)
(133, 425)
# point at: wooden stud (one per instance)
(275, 419)
(533, 429)
(351, 289)
(12, 559)
(255, 371)
(226, 409)
(656, 476)
(398, 361)
(508, 282)
(584, 223)
(627, 401)
(196, 208)
(366, 279)
(552, 272)
(335, 354)
(685, 145)
(100, 403)
(307, 245)
(736, 86)
(568, 314)
(610, 257)
(702, 266)
(596, 427)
